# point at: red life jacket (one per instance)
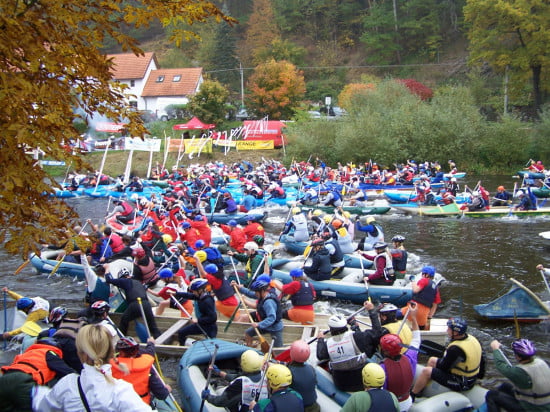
(33, 362)
(140, 369)
(399, 377)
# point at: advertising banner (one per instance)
(147, 145)
(255, 144)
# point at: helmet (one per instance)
(199, 243)
(453, 179)
(457, 325)
(232, 223)
(373, 375)
(380, 245)
(198, 218)
(391, 344)
(500, 188)
(165, 273)
(166, 238)
(138, 253)
(251, 246)
(475, 193)
(337, 322)
(124, 273)
(211, 268)
(336, 223)
(299, 351)
(128, 345)
(258, 239)
(227, 194)
(429, 270)
(318, 242)
(398, 238)
(265, 278)
(327, 219)
(185, 224)
(296, 210)
(317, 212)
(100, 307)
(388, 307)
(370, 219)
(259, 285)
(24, 303)
(346, 214)
(278, 376)
(296, 273)
(201, 255)
(523, 348)
(57, 314)
(197, 284)
(251, 361)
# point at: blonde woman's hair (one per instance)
(94, 341)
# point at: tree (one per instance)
(209, 103)
(276, 89)
(262, 29)
(415, 87)
(346, 96)
(511, 35)
(53, 69)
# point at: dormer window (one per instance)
(160, 79)
(177, 78)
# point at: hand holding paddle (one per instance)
(263, 343)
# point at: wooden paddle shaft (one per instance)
(262, 339)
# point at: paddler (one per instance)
(35, 308)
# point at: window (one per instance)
(177, 78)
(160, 79)
(132, 83)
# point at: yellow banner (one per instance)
(255, 144)
(191, 145)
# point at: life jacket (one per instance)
(539, 393)
(101, 291)
(304, 296)
(389, 272)
(250, 388)
(472, 349)
(287, 400)
(301, 232)
(345, 240)
(399, 259)
(399, 377)
(338, 255)
(116, 243)
(149, 271)
(261, 309)
(344, 353)
(405, 334)
(224, 291)
(302, 376)
(40, 304)
(140, 369)
(127, 209)
(33, 362)
(381, 400)
(69, 327)
(377, 235)
(427, 295)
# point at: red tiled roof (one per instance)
(186, 86)
(131, 67)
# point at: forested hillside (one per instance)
(485, 45)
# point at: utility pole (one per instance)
(242, 85)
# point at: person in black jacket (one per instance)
(133, 289)
(320, 268)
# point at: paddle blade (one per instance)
(20, 268)
(264, 345)
(432, 348)
(141, 332)
(284, 356)
(32, 328)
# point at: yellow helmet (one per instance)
(370, 219)
(327, 219)
(296, 210)
(373, 375)
(166, 238)
(346, 214)
(251, 361)
(201, 254)
(278, 376)
(317, 212)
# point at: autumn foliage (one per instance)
(346, 96)
(415, 87)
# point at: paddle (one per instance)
(285, 355)
(5, 317)
(21, 267)
(263, 343)
(264, 371)
(31, 328)
(54, 270)
(148, 331)
(159, 375)
(230, 321)
(545, 280)
(432, 348)
(210, 368)
(179, 305)
(403, 321)
(278, 242)
(516, 324)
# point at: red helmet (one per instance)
(299, 351)
(138, 253)
(391, 344)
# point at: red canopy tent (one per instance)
(194, 124)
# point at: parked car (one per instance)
(147, 116)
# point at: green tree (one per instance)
(262, 29)
(52, 65)
(209, 103)
(512, 35)
(276, 89)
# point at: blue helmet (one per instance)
(264, 278)
(524, 348)
(24, 303)
(198, 284)
(259, 285)
(198, 218)
(296, 273)
(232, 222)
(199, 243)
(458, 325)
(185, 224)
(429, 270)
(211, 268)
(165, 273)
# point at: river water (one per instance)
(476, 256)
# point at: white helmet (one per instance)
(337, 322)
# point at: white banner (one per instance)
(146, 145)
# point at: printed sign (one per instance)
(147, 145)
(255, 144)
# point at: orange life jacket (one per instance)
(139, 368)
(33, 362)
